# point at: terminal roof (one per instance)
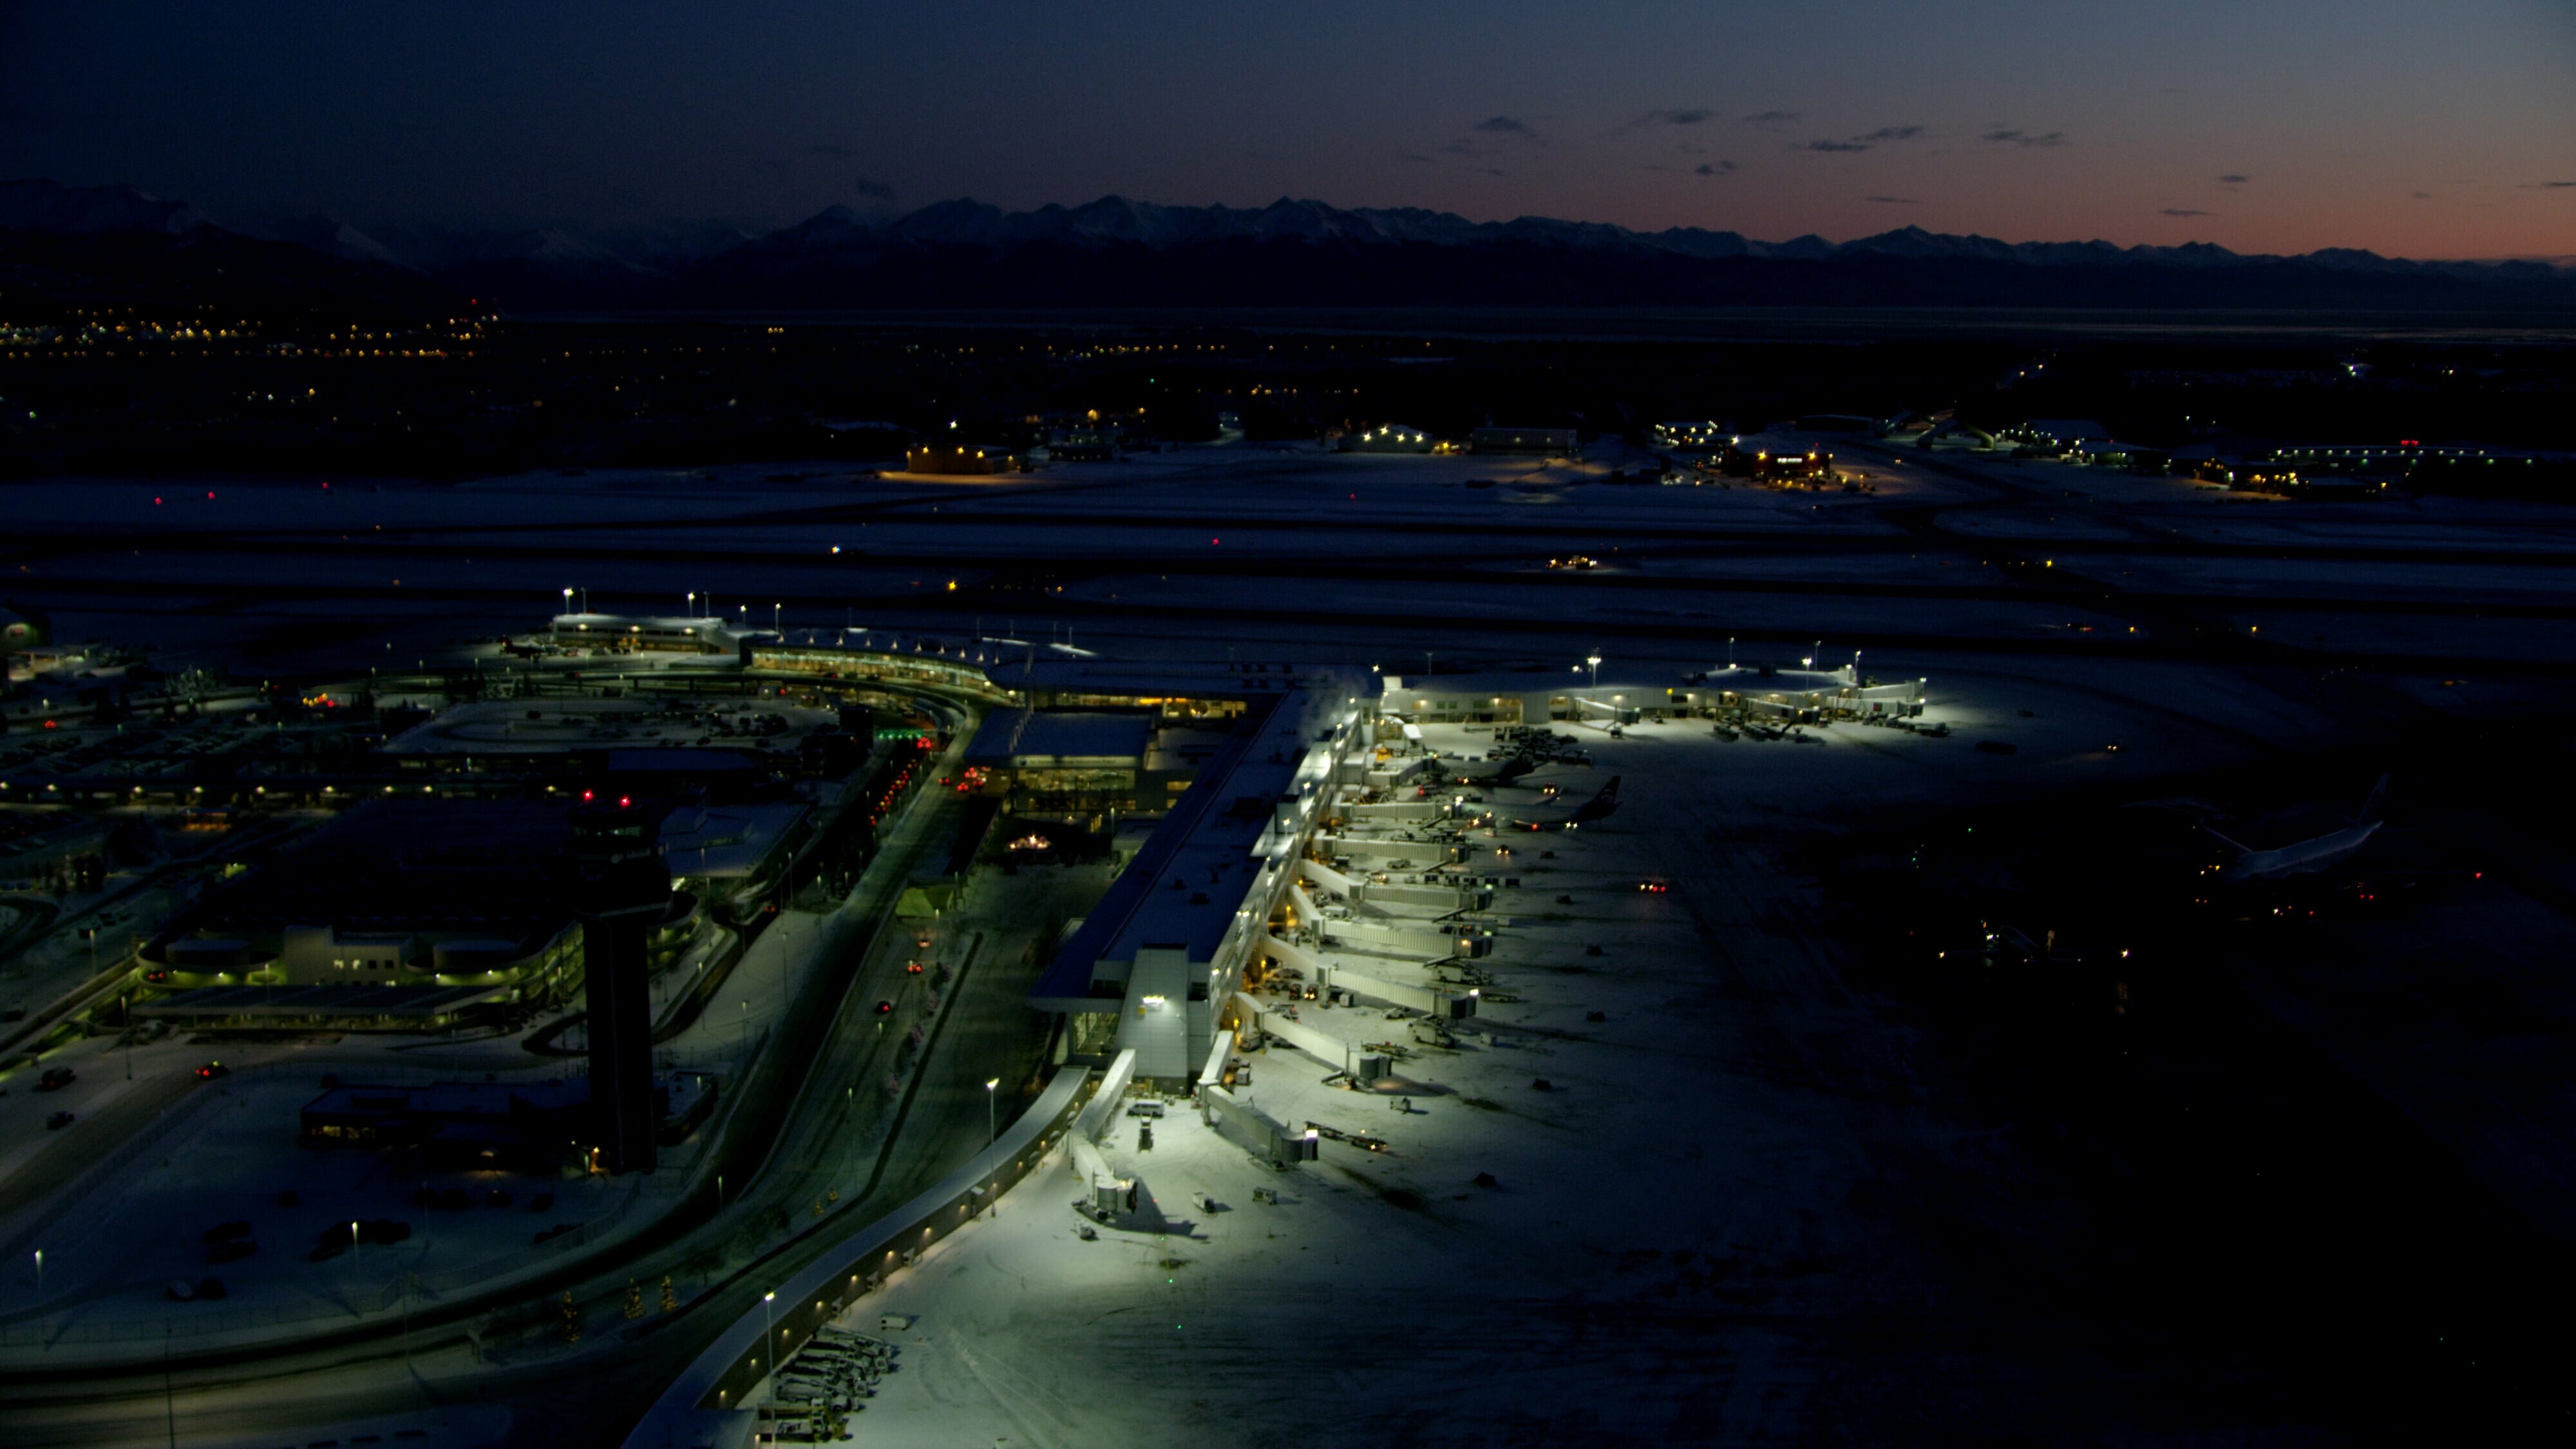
(1192, 876)
(1174, 893)
(1061, 734)
(1150, 678)
(724, 840)
(1402, 690)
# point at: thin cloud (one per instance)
(2181, 211)
(2550, 186)
(1677, 116)
(2421, 195)
(1864, 141)
(2005, 136)
(1895, 201)
(2234, 180)
(1418, 156)
(1488, 138)
(1714, 168)
(1772, 120)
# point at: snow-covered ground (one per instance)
(1447, 544)
(1684, 1228)
(224, 1151)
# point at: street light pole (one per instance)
(1595, 661)
(567, 599)
(992, 1122)
(769, 1345)
(358, 1267)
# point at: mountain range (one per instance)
(104, 242)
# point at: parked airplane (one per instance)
(1492, 772)
(1601, 806)
(2300, 857)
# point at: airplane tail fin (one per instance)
(2371, 808)
(1600, 806)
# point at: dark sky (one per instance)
(2409, 127)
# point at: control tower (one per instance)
(621, 889)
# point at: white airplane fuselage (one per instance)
(2306, 855)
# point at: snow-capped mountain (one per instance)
(51, 207)
(333, 237)
(1120, 252)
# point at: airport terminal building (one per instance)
(1803, 695)
(1155, 966)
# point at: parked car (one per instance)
(58, 1121)
(55, 1079)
